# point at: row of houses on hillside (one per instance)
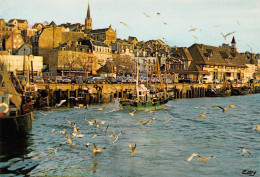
(96, 47)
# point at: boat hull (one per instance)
(141, 106)
(15, 126)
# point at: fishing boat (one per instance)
(16, 107)
(144, 99)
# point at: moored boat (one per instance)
(144, 99)
(16, 109)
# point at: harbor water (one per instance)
(163, 146)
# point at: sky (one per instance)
(168, 20)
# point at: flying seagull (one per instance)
(124, 24)
(226, 35)
(147, 15)
(61, 102)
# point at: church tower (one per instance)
(88, 22)
(233, 44)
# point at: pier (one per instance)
(104, 93)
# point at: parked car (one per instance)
(90, 80)
(79, 79)
(168, 81)
(39, 79)
(185, 81)
(65, 79)
(112, 80)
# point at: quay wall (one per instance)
(76, 93)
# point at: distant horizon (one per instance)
(169, 21)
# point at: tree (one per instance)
(123, 64)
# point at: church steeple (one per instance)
(88, 12)
(88, 21)
(233, 44)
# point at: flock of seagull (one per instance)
(95, 122)
(224, 110)
(92, 122)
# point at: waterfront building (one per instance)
(219, 62)
(181, 62)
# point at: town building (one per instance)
(20, 24)
(13, 42)
(19, 63)
(219, 62)
(72, 59)
(51, 37)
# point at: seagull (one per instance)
(257, 128)
(53, 149)
(191, 157)
(102, 122)
(69, 140)
(124, 24)
(88, 144)
(200, 157)
(167, 120)
(249, 46)
(195, 37)
(53, 130)
(132, 113)
(164, 23)
(203, 114)
(100, 109)
(69, 122)
(147, 15)
(107, 129)
(63, 132)
(245, 151)
(193, 29)
(90, 123)
(115, 138)
(224, 109)
(149, 121)
(96, 149)
(224, 36)
(61, 102)
(237, 22)
(95, 135)
(133, 148)
(200, 107)
(43, 113)
(205, 158)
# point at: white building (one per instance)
(16, 63)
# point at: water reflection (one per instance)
(13, 156)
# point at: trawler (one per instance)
(144, 99)
(16, 106)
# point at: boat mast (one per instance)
(137, 80)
